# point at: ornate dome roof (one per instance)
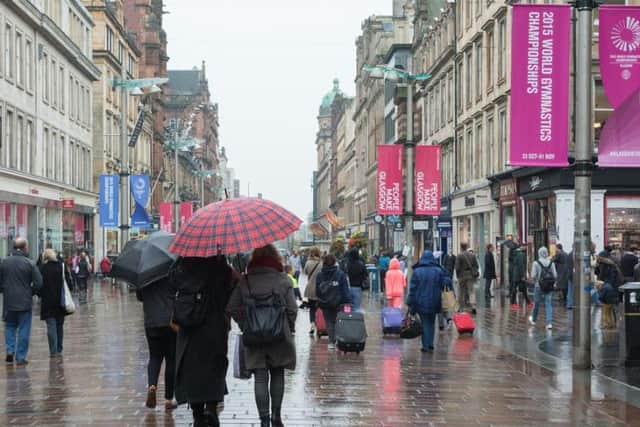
(325, 107)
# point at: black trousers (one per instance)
(162, 346)
(518, 286)
(269, 383)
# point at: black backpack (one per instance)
(265, 318)
(546, 281)
(328, 292)
(193, 297)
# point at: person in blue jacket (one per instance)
(331, 273)
(425, 295)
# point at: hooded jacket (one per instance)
(427, 283)
(543, 258)
(20, 279)
(395, 280)
(355, 269)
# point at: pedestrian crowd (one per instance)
(188, 313)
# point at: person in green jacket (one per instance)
(519, 277)
(294, 282)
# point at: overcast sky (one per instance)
(269, 63)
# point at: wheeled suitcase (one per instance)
(351, 333)
(464, 323)
(321, 325)
(391, 320)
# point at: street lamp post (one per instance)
(583, 169)
(395, 74)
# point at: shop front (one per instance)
(473, 220)
(444, 227)
(622, 221)
(505, 192)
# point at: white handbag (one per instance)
(68, 304)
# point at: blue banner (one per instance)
(140, 191)
(109, 201)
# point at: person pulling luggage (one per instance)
(425, 295)
(332, 291)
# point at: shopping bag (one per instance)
(449, 302)
(239, 364)
(66, 300)
(411, 327)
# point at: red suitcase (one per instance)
(321, 325)
(464, 323)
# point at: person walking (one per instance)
(563, 267)
(543, 274)
(20, 279)
(295, 262)
(83, 272)
(449, 263)
(157, 306)
(331, 273)
(52, 312)
(383, 265)
(467, 273)
(628, 263)
(425, 295)
(201, 347)
(489, 273)
(358, 276)
(294, 282)
(518, 277)
(267, 362)
(312, 268)
(396, 284)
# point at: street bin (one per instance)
(374, 278)
(632, 322)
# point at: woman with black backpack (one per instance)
(265, 296)
(332, 290)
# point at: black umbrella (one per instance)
(144, 261)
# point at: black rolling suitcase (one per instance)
(351, 334)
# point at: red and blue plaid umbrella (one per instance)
(232, 226)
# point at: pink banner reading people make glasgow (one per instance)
(186, 211)
(389, 179)
(427, 184)
(619, 51)
(166, 217)
(540, 52)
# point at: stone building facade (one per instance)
(46, 126)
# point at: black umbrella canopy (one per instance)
(144, 261)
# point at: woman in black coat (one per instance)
(201, 351)
(51, 310)
(489, 271)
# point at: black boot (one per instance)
(265, 421)
(276, 420)
(211, 419)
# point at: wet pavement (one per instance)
(507, 374)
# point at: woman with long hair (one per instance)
(51, 311)
(312, 268)
(265, 276)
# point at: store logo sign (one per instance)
(535, 182)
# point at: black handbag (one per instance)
(265, 319)
(411, 328)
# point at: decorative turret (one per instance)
(325, 107)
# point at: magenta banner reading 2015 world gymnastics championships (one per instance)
(540, 52)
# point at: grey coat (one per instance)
(564, 268)
(157, 303)
(264, 280)
(20, 279)
(311, 269)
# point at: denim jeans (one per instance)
(330, 315)
(55, 334)
(428, 329)
(17, 325)
(539, 298)
(356, 298)
(570, 294)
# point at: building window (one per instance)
(9, 160)
(489, 51)
(72, 105)
(53, 156)
(19, 60)
(131, 65)
(109, 41)
(502, 144)
(468, 167)
(45, 77)
(450, 100)
(436, 122)
(54, 83)
(502, 49)
(20, 155)
(491, 147)
(62, 91)
(442, 107)
(459, 87)
(120, 52)
(33, 149)
(8, 52)
(478, 166)
(28, 66)
(468, 78)
(478, 71)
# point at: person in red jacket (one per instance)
(105, 267)
(396, 282)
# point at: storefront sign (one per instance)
(140, 191)
(109, 200)
(68, 203)
(508, 189)
(186, 211)
(469, 201)
(620, 138)
(166, 217)
(619, 51)
(389, 179)
(427, 180)
(540, 52)
(420, 225)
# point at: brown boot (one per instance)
(151, 397)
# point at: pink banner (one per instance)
(186, 211)
(427, 185)
(166, 217)
(78, 233)
(22, 220)
(619, 51)
(620, 138)
(540, 52)
(390, 179)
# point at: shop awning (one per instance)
(318, 230)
